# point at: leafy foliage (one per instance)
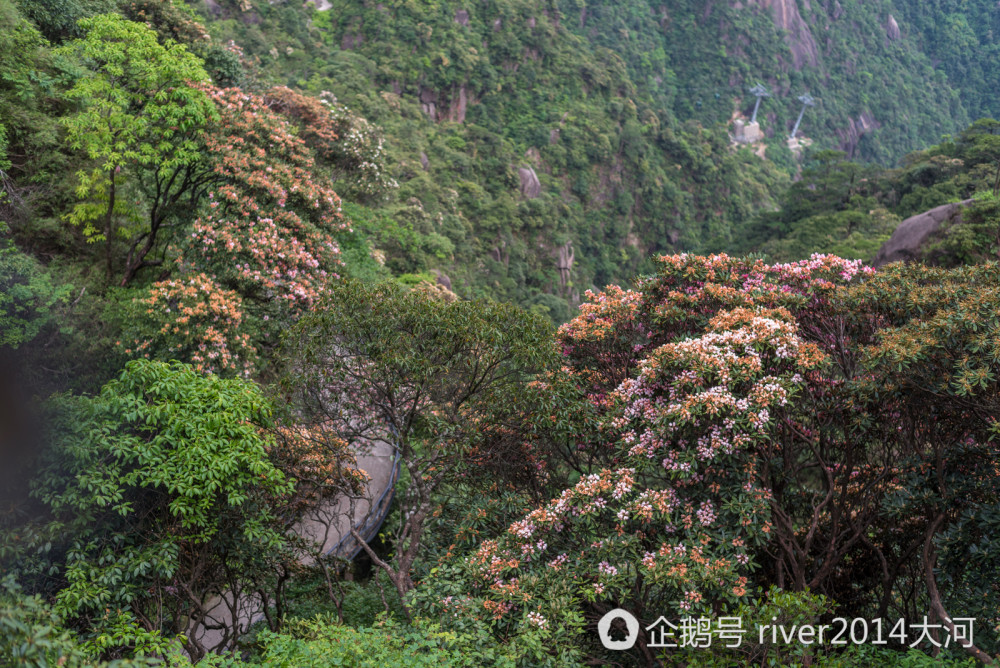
(788, 439)
(322, 642)
(620, 178)
(158, 491)
(140, 112)
(33, 635)
(27, 296)
(433, 378)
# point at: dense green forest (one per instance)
(620, 110)
(621, 360)
(850, 210)
(530, 152)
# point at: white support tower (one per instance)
(807, 100)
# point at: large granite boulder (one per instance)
(905, 243)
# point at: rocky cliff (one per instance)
(799, 37)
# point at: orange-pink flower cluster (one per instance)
(689, 372)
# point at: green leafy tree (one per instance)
(932, 373)
(429, 376)
(160, 496)
(33, 634)
(139, 121)
(59, 20)
(321, 642)
(28, 296)
(26, 76)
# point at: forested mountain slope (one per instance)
(541, 149)
(842, 207)
(961, 40)
(531, 161)
(617, 109)
(878, 94)
(231, 235)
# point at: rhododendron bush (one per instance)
(192, 318)
(271, 223)
(263, 249)
(740, 444)
(347, 144)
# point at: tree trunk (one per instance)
(109, 222)
(399, 579)
(937, 606)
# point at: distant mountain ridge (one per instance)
(613, 108)
(545, 148)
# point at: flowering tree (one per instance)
(347, 144)
(262, 252)
(691, 373)
(271, 225)
(194, 319)
(789, 424)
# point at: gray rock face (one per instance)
(459, 104)
(851, 135)
(892, 29)
(442, 279)
(800, 39)
(564, 263)
(904, 244)
(440, 107)
(428, 102)
(531, 187)
(351, 41)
